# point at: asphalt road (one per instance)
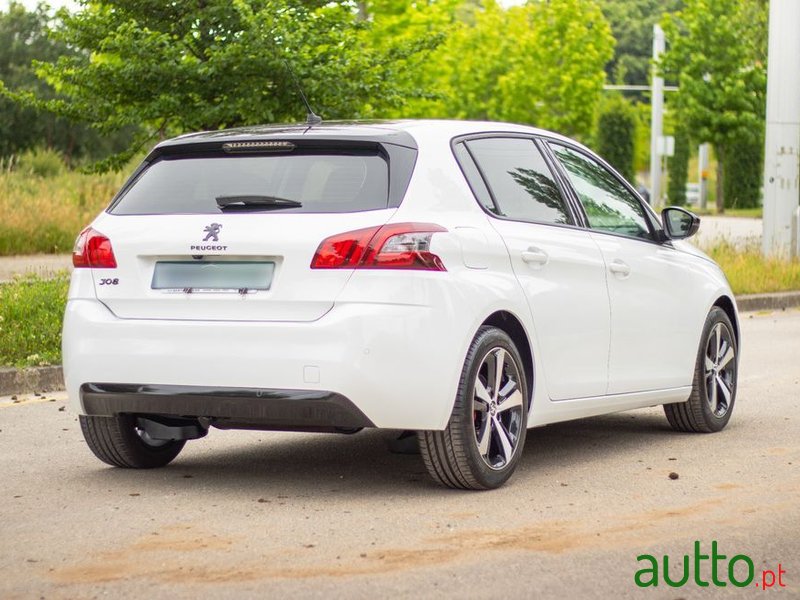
(260, 515)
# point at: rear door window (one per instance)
(320, 182)
(519, 180)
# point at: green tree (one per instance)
(406, 32)
(557, 77)
(616, 135)
(23, 38)
(206, 64)
(678, 166)
(632, 26)
(541, 63)
(717, 51)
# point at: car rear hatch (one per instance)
(228, 232)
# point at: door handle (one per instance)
(617, 267)
(535, 256)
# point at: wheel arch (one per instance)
(726, 304)
(509, 323)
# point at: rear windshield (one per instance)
(321, 182)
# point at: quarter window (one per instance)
(474, 177)
(520, 181)
(608, 204)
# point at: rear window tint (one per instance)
(322, 182)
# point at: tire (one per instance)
(495, 414)
(118, 442)
(710, 406)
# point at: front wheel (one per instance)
(483, 441)
(715, 376)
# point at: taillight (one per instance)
(395, 246)
(93, 249)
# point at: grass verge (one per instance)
(749, 272)
(31, 313)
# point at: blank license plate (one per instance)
(213, 275)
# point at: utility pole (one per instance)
(657, 117)
(782, 144)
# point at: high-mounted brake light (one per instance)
(265, 146)
(93, 250)
(394, 246)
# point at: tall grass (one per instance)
(45, 214)
(749, 272)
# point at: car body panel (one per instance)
(565, 286)
(650, 350)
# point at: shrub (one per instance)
(743, 168)
(616, 135)
(41, 163)
(678, 165)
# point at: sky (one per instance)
(30, 4)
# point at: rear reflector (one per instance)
(93, 250)
(394, 246)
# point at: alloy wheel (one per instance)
(720, 370)
(497, 408)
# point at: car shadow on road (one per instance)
(361, 465)
(608, 437)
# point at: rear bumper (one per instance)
(227, 407)
(382, 365)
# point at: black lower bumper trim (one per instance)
(227, 407)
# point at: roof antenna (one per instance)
(311, 117)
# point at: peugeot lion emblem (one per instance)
(212, 232)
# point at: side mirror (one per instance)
(679, 223)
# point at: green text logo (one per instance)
(739, 571)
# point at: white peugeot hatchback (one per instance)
(463, 280)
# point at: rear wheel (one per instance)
(121, 442)
(483, 441)
(714, 387)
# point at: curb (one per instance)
(50, 379)
(38, 379)
(776, 301)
